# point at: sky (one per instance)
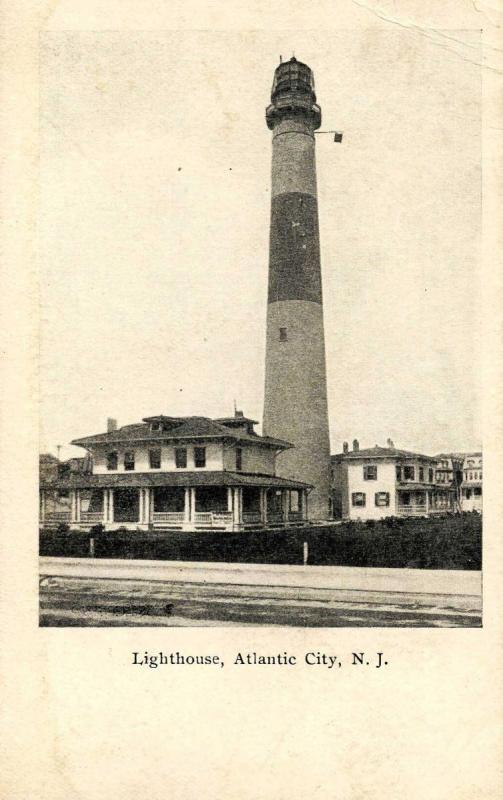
(154, 227)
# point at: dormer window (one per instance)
(155, 426)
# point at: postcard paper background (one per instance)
(79, 720)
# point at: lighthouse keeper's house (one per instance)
(179, 473)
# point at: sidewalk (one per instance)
(440, 582)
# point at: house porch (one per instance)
(189, 508)
(424, 502)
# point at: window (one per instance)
(154, 458)
(129, 461)
(239, 459)
(430, 475)
(382, 499)
(181, 457)
(199, 457)
(112, 460)
(468, 493)
(408, 473)
(156, 426)
(477, 491)
(283, 335)
(421, 473)
(471, 475)
(358, 499)
(369, 472)
(399, 473)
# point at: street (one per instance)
(98, 602)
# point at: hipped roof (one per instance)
(189, 428)
(380, 452)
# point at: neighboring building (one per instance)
(48, 467)
(449, 474)
(471, 487)
(52, 472)
(295, 398)
(187, 473)
(381, 482)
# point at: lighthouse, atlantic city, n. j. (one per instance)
(295, 401)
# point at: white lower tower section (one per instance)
(295, 404)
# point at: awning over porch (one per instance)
(182, 478)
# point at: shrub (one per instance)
(63, 527)
(453, 542)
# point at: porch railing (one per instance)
(168, 516)
(275, 516)
(57, 516)
(91, 516)
(412, 511)
(210, 517)
(252, 517)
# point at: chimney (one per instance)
(356, 445)
(345, 447)
(390, 443)
(111, 424)
(238, 413)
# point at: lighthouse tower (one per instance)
(295, 403)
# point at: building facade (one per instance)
(381, 482)
(449, 474)
(471, 487)
(295, 400)
(189, 473)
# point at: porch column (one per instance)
(186, 506)
(285, 503)
(141, 509)
(263, 505)
(78, 501)
(192, 505)
(149, 496)
(110, 505)
(236, 510)
(144, 506)
(240, 505)
(427, 500)
(229, 498)
(43, 504)
(73, 505)
(303, 503)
